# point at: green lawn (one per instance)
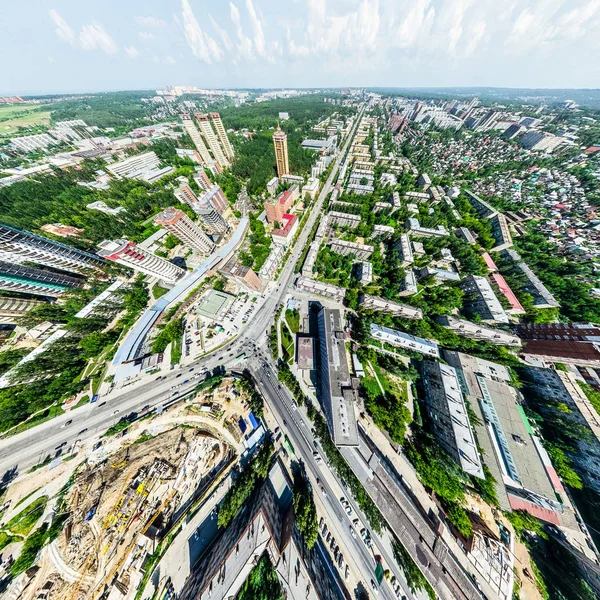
(287, 344)
(24, 522)
(293, 320)
(22, 115)
(6, 539)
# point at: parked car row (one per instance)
(338, 557)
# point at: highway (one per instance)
(298, 429)
(89, 422)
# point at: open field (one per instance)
(14, 116)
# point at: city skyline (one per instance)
(258, 43)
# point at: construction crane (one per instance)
(98, 591)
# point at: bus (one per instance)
(288, 445)
(239, 358)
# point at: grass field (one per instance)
(23, 115)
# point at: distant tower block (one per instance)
(183, 228)
(218, 125)
(189, 126)
(281, 152)
(211, 138)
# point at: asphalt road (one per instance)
(298, 429)
(89, 422)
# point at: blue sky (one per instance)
(50, 46)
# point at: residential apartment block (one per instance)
(183, 228)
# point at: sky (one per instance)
(63, 46)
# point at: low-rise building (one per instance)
(449, 416)
(277, 207)
(284, 235)
(440, 275)
(364, 272)
(501, 232)
(542, 298)
(327, 290)
(415, 229)
(272, 186)
(395, 308)
(343, 247)
(405, 341)
(382, 231)
(484, 209)
(481, 299)
(416, 197)
(465, 234)
(476, 331)
(241, 274)
(404, 249)
(409, 285)
(145, 166)
(311, 188)
(344, 219)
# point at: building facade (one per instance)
(184, 229)
(188, 125)
(139, 259)
(21, 246)
(281, 152)
(17, 278)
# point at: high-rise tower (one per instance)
(189, 126)
(183, 228)
(211, 138)
(281, 152)
(218, 125)
(135, 257)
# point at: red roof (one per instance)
(289, 221)
(507, 292)
(489, 262)
(543, 514)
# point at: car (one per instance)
(347, 573)
(60, 446)
(116, 412)
(356, 523)
(186, 381)
(82, 431)
(340, 561)
(342, 499)
(180, 374)
(352, 532)
(364, 533)
(101, 404)
(327, 537)
(368, 542)
(374, 586)
(96, 445)
(348, 510)
(191, 369)
(68, 423)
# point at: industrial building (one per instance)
(525, 478)
(337, 395)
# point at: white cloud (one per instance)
(91, 37)
(94, 37)
(202, 45)
(145, 36)
(222, 34)
(132, 51)
(150, 22)
(63, 30)
(245, 49)
(169, 60)
(257, 29)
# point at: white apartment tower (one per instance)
(139, 259)
(189, 126)
(211, 218)
(218, 125)
(211, 138)
(183, 228)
